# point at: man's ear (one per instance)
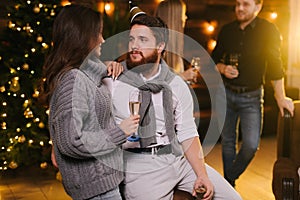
(258, 8)
(161, 46)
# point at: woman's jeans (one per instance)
(110, 195)
(244, 114)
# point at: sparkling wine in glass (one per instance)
(135, 100)
(233, 60)
(196, 63)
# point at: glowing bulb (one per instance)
(274, 15)
(107, 7)
(210, 28)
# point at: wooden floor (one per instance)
(37, 184)
(256, 182)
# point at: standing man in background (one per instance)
(257, 43)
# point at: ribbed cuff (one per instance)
(117, 136)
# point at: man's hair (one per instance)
(157, 26)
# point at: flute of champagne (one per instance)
(233, 60)
(135, 100)
(195, 63)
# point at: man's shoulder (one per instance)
(230, 25)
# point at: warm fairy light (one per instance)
(31, 72)
(46, 46)
(3, 125)
(4, 104)
(22, 95)
(40, 5)
(28, 125)
(65, 2)
(36, 119)
(11, 24)
(211, 44)
(26, 103)
(109, 8)
(36, 94)
(47, 111)
(4, 115)
(41, 143)
(12, 70)
(32, 50)
(210, 28)
(30, 141)
(52, 13)
(18, 130)
(26, 55)
(41, 125)
(2, 89)
(273, 15)
(28, 2)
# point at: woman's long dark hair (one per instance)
(76, 31)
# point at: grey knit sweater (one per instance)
(85, 137)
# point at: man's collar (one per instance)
(251, 24)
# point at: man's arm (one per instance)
(282, 100)
(194, 154)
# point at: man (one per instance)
(169, 154)
(257, 43)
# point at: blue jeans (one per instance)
(110, 195)
(244, 113)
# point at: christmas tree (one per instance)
(24, 136)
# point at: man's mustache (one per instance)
(136, 52)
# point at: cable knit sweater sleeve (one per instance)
(81, 118)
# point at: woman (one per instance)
(86, 139)
(173, 13)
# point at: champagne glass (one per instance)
(135, 100)
(195, 63)
(233, 60)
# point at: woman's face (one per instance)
(98, 43)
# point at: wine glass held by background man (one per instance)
(169, 154)
(86, 139)
(257, 43)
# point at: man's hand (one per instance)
(228, 70)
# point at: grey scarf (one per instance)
(147, 126)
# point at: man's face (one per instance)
(142, 46)
(246, 10)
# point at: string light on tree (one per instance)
(23, 122)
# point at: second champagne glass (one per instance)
(233, 60)
(135, 100)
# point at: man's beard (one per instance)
(145, 64)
